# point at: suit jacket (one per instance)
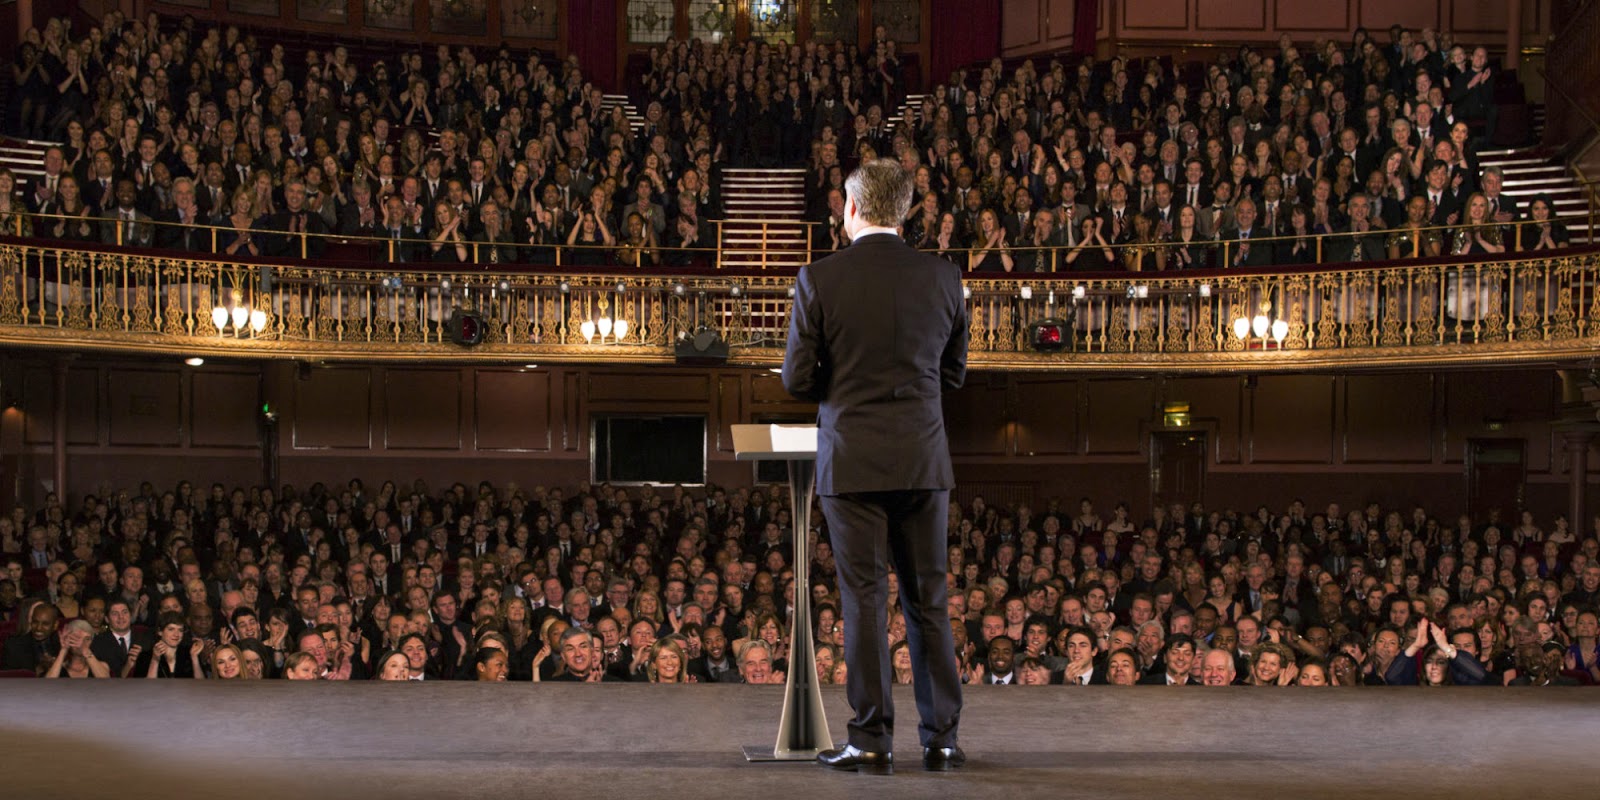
(877, 333)
(132, 233)
(104, 646)
(174, 235)
(1259, 254)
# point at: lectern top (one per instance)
(774, 442)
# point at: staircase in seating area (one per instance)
(765, 218)
(1531, 172)
(25, 159)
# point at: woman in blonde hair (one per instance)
(667, 661)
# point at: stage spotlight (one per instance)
(1050, 335)
(704, 348)
(465, 328)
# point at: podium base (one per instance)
(757, 753)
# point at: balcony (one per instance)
(1530, 307)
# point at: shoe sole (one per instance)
(944, 767)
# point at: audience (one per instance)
(603, 584)
(507, 156)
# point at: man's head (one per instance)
(577, 651)
(755, 662)
(1002, 652)
(1217, 669)
(878, 194)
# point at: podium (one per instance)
(803, 728)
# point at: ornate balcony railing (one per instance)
(1538, 307)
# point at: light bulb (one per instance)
(219, 317)
(605, 327)
(1141, 291)
(1027, 292)
(1280, 329)
(621, 328)
(1261, 324)
(241, 315)
(1205, 290)
(588, 330)
(258, 320)
(1241, 327)
(1079, 292)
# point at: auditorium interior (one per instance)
(392, 340)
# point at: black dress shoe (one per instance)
(862, 761)
(942, 759)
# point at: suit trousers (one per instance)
(869, 530)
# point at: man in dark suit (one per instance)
(1242, 252)
(877, 333)
(1177, 659)
(120, 641)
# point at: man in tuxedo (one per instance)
(181, 229)
(878, 332)
(120, 641)
(1242, 252)
(1178, 658)
(121, 224)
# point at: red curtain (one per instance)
(592, 37)
(1083, 27)
(964, 32)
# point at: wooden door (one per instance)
(1177, 468)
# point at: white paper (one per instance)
(794, 439)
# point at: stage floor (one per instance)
(191, 739)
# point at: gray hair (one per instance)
(881, 189)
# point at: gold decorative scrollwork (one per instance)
(1328, 317)
(1424, 291)
(1529, 279)
(10, 286)
(1392, 334)
(1494, 321)
(1565, 284)
(1117, 335)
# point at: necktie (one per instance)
(39, 560)
(122, 643)
(1194, 195)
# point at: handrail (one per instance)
(1537, 307)
(561, 253)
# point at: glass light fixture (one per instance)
(241, 315)
(1027, 292)
(621, 329)
(605, 327)
(1261, 324)
(1079, 292)
(1241, 327)
(258, 320)
(1280, 329)
(587, 328)
(195, 361)
(219, 317)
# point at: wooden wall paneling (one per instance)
(146, 407)
(1060, 19)
(1230, 15)
(728, 408)
(1291, 420)
(1218, 404)
(1387, 419)
(1151, 15)
(1377, 15)
(422, 409)
(974, 417)
(512, 410)
(1047, 416)
(333, 409)
(83, 406)
(652, 388)
(1021, 23)
(224, 408)
(1301, 15)
(1520, 402)
(1119, 412)
(574, 433)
